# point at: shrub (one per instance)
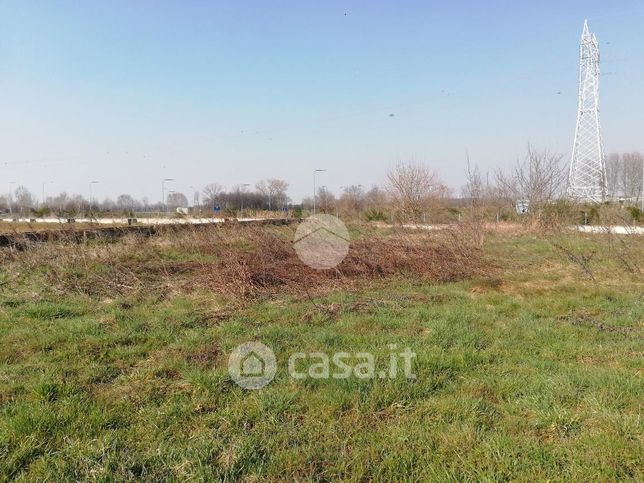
(636, 214)
(375, 215)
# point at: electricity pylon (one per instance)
(587, 176)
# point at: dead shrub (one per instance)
(272, 263)
(240, 261)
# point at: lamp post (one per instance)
(163, 200)
(314, 194)
(43, 191)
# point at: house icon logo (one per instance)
(322, 241)
(252, 365)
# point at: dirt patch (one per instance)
(203, 356)
(585, 320)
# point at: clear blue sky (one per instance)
(130, 92)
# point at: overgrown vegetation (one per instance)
(114, 358)
(239, 261)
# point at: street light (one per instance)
(163, 200)
(90, 198)
(43, 192)
(314, 172)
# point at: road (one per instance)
(615, 229)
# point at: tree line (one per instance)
(624, 175)
(411, 192)
(270, 194)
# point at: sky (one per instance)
(128, 93)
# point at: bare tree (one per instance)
(307, 203)
(539, 178)
(352, 200)
(107, 205)
(624, 176)
(60, 202)
(212, 194)
(479, 197)
(24, 200)
(412, 188)
(125, 202)
(279, 188)
(176, 200)
(631, 175)
(474, 189)
(76, 203)
(274, 190)
(376, 198)
(613, 174)
(4, 203)
(326, 201)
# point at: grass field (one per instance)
(530, 372)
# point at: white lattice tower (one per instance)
(587, 176)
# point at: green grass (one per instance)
(534, 375)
